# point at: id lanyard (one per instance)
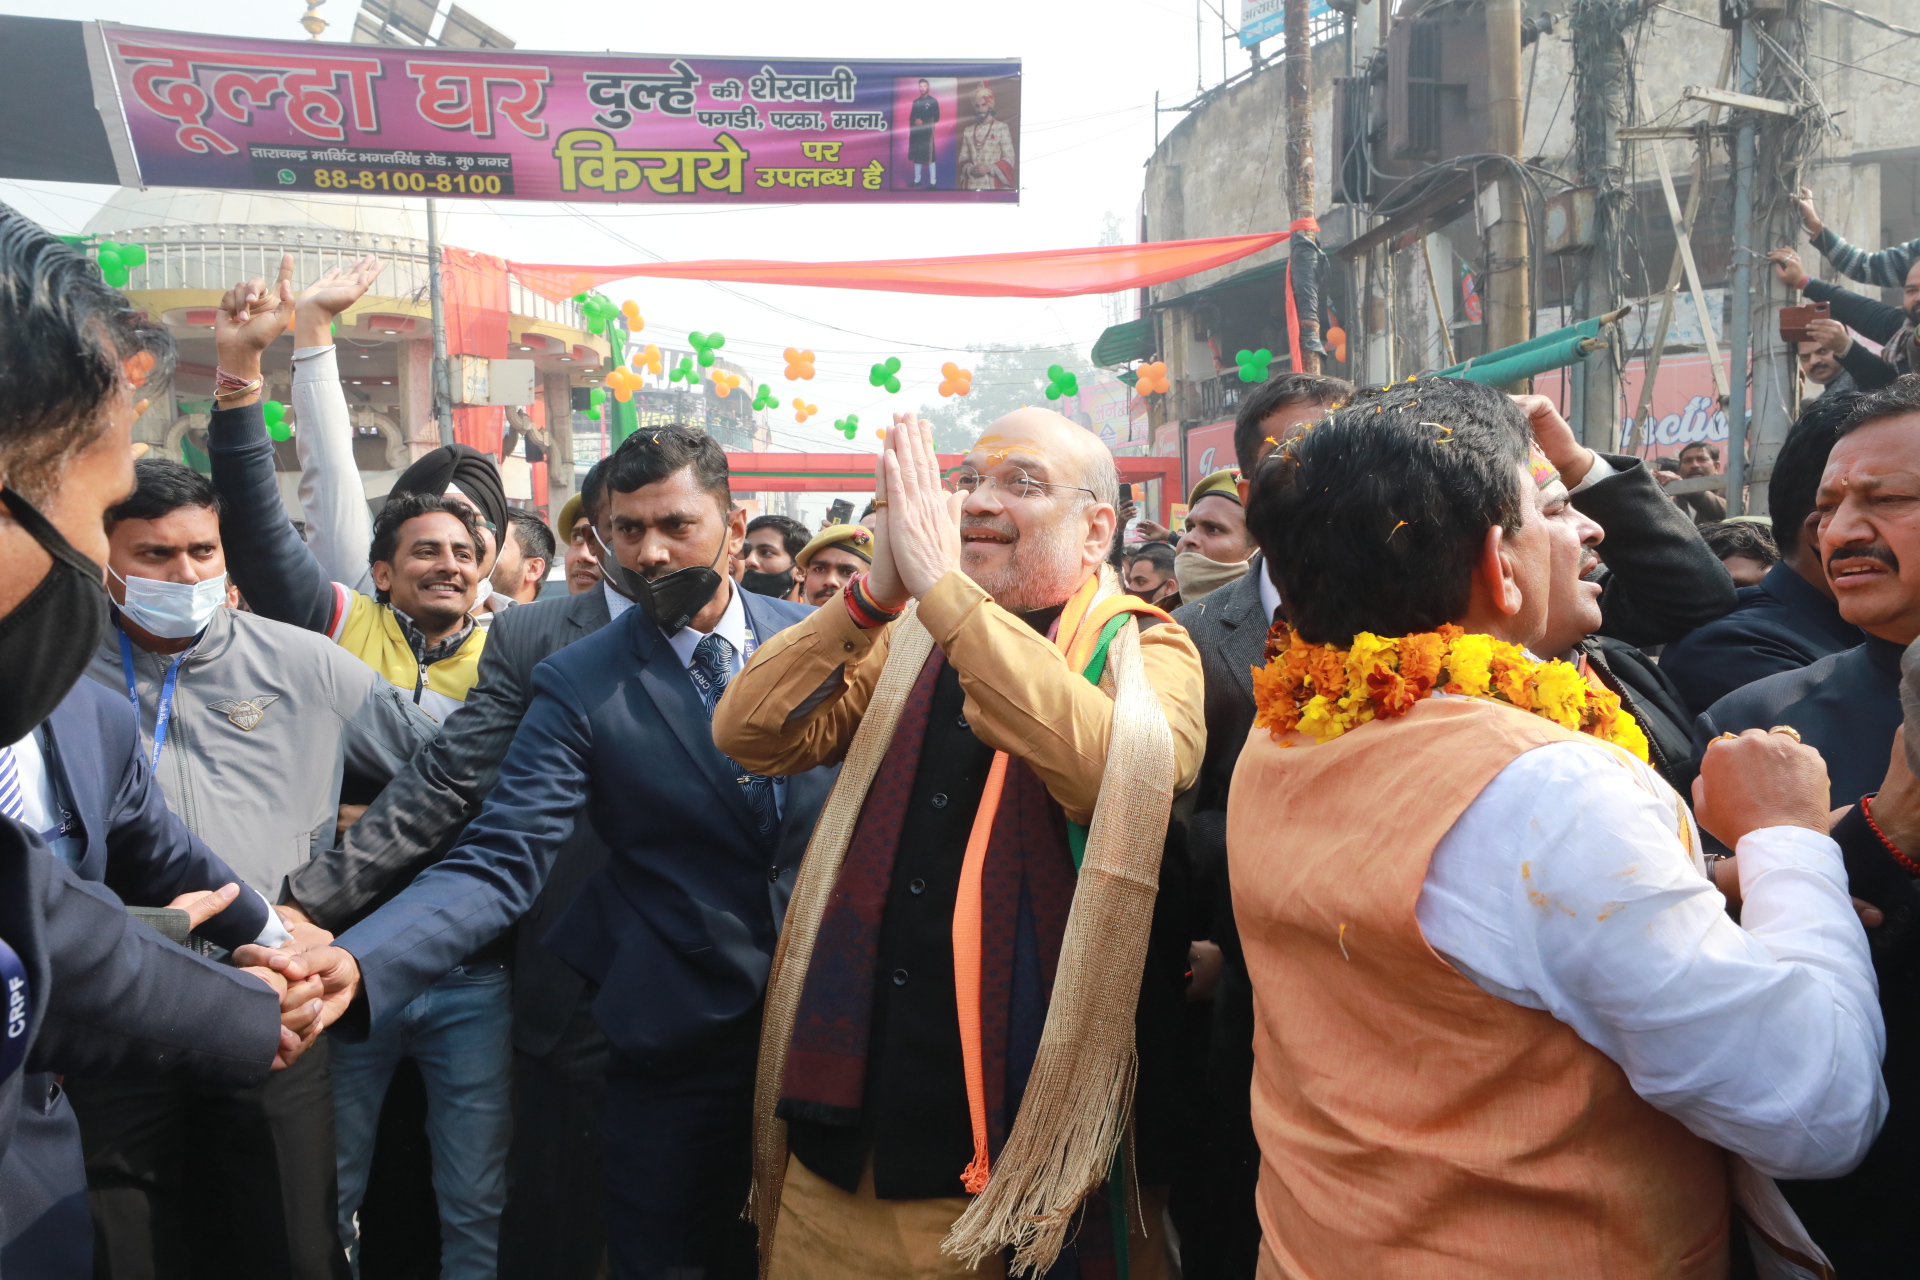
(165, 712)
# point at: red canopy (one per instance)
(1052, 273)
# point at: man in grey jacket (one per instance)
(250, 726)
(553, 1223)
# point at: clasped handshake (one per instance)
(314, 979)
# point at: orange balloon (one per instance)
(1152, 378)
(631, 310)
(957, 382)
(799, 363)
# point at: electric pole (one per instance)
(1747, 66)
(1508, 301)
(442, 381)
(1598, 31)
(1300, 194)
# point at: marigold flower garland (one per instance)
(1325, 690)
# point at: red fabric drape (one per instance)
(539, 470)
(480, 425)
(1052, 273)
(475, 288)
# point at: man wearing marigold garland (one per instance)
(974, 936)
(1505, 1027)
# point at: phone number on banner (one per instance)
(377, 172)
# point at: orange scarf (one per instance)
(1084, 632)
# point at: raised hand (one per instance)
(252, 314)
(923, 519)
(1556, 439)
(1787, 265)
(1803, 201)
(883, 579)
(1832, 335)
(320, 302)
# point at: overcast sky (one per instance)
(1090, 73)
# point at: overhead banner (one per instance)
(359, 119)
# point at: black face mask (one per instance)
(777, 585)
(48, 639)
(669, 601)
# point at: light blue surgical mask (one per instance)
(171, 610)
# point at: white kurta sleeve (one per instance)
(1563, 887)
(333, 502)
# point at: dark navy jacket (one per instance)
(138, 848)
(1783, 624)
(135, 845)
(110, 998)
(679, 929)
(1847, 705)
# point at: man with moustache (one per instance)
(831, 560)
(1790, 619)
(1014, 730)
(582, 560)
(674, 936)
(987, 156)
(1505, 1025)
(1847, 704)
(1891, 327)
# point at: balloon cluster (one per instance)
(275, 413)
(1337, 341)
(648, 360)
(954, 380)
(116, 260)
(1253, 364)
(595, 398)
(598, 309)
(799, 364)
(624, 383)
(765, 398)
(848, 426)
(705, 344)
(802, 410)
(885, 374)
(1061, 383)
(724, 383)
(684, 372)
(631, 310)
(1152, 379)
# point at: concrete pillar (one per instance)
(561, 481)
(414, 360)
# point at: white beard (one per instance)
(1041, 569)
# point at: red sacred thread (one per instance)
(1913, 868)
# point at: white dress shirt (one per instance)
(1565, 887)
(43, 813)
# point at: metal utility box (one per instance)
(1569, 221)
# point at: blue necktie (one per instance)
(13, 802)
(713, 661)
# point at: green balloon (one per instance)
(276, 415)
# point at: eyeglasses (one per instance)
(1019, 486)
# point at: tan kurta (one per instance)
(799, 701)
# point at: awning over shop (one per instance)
(1275, 272)
(1051, 273)
(1122, 343)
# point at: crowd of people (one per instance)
(1447, 854)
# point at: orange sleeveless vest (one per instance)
(1411, 1125)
